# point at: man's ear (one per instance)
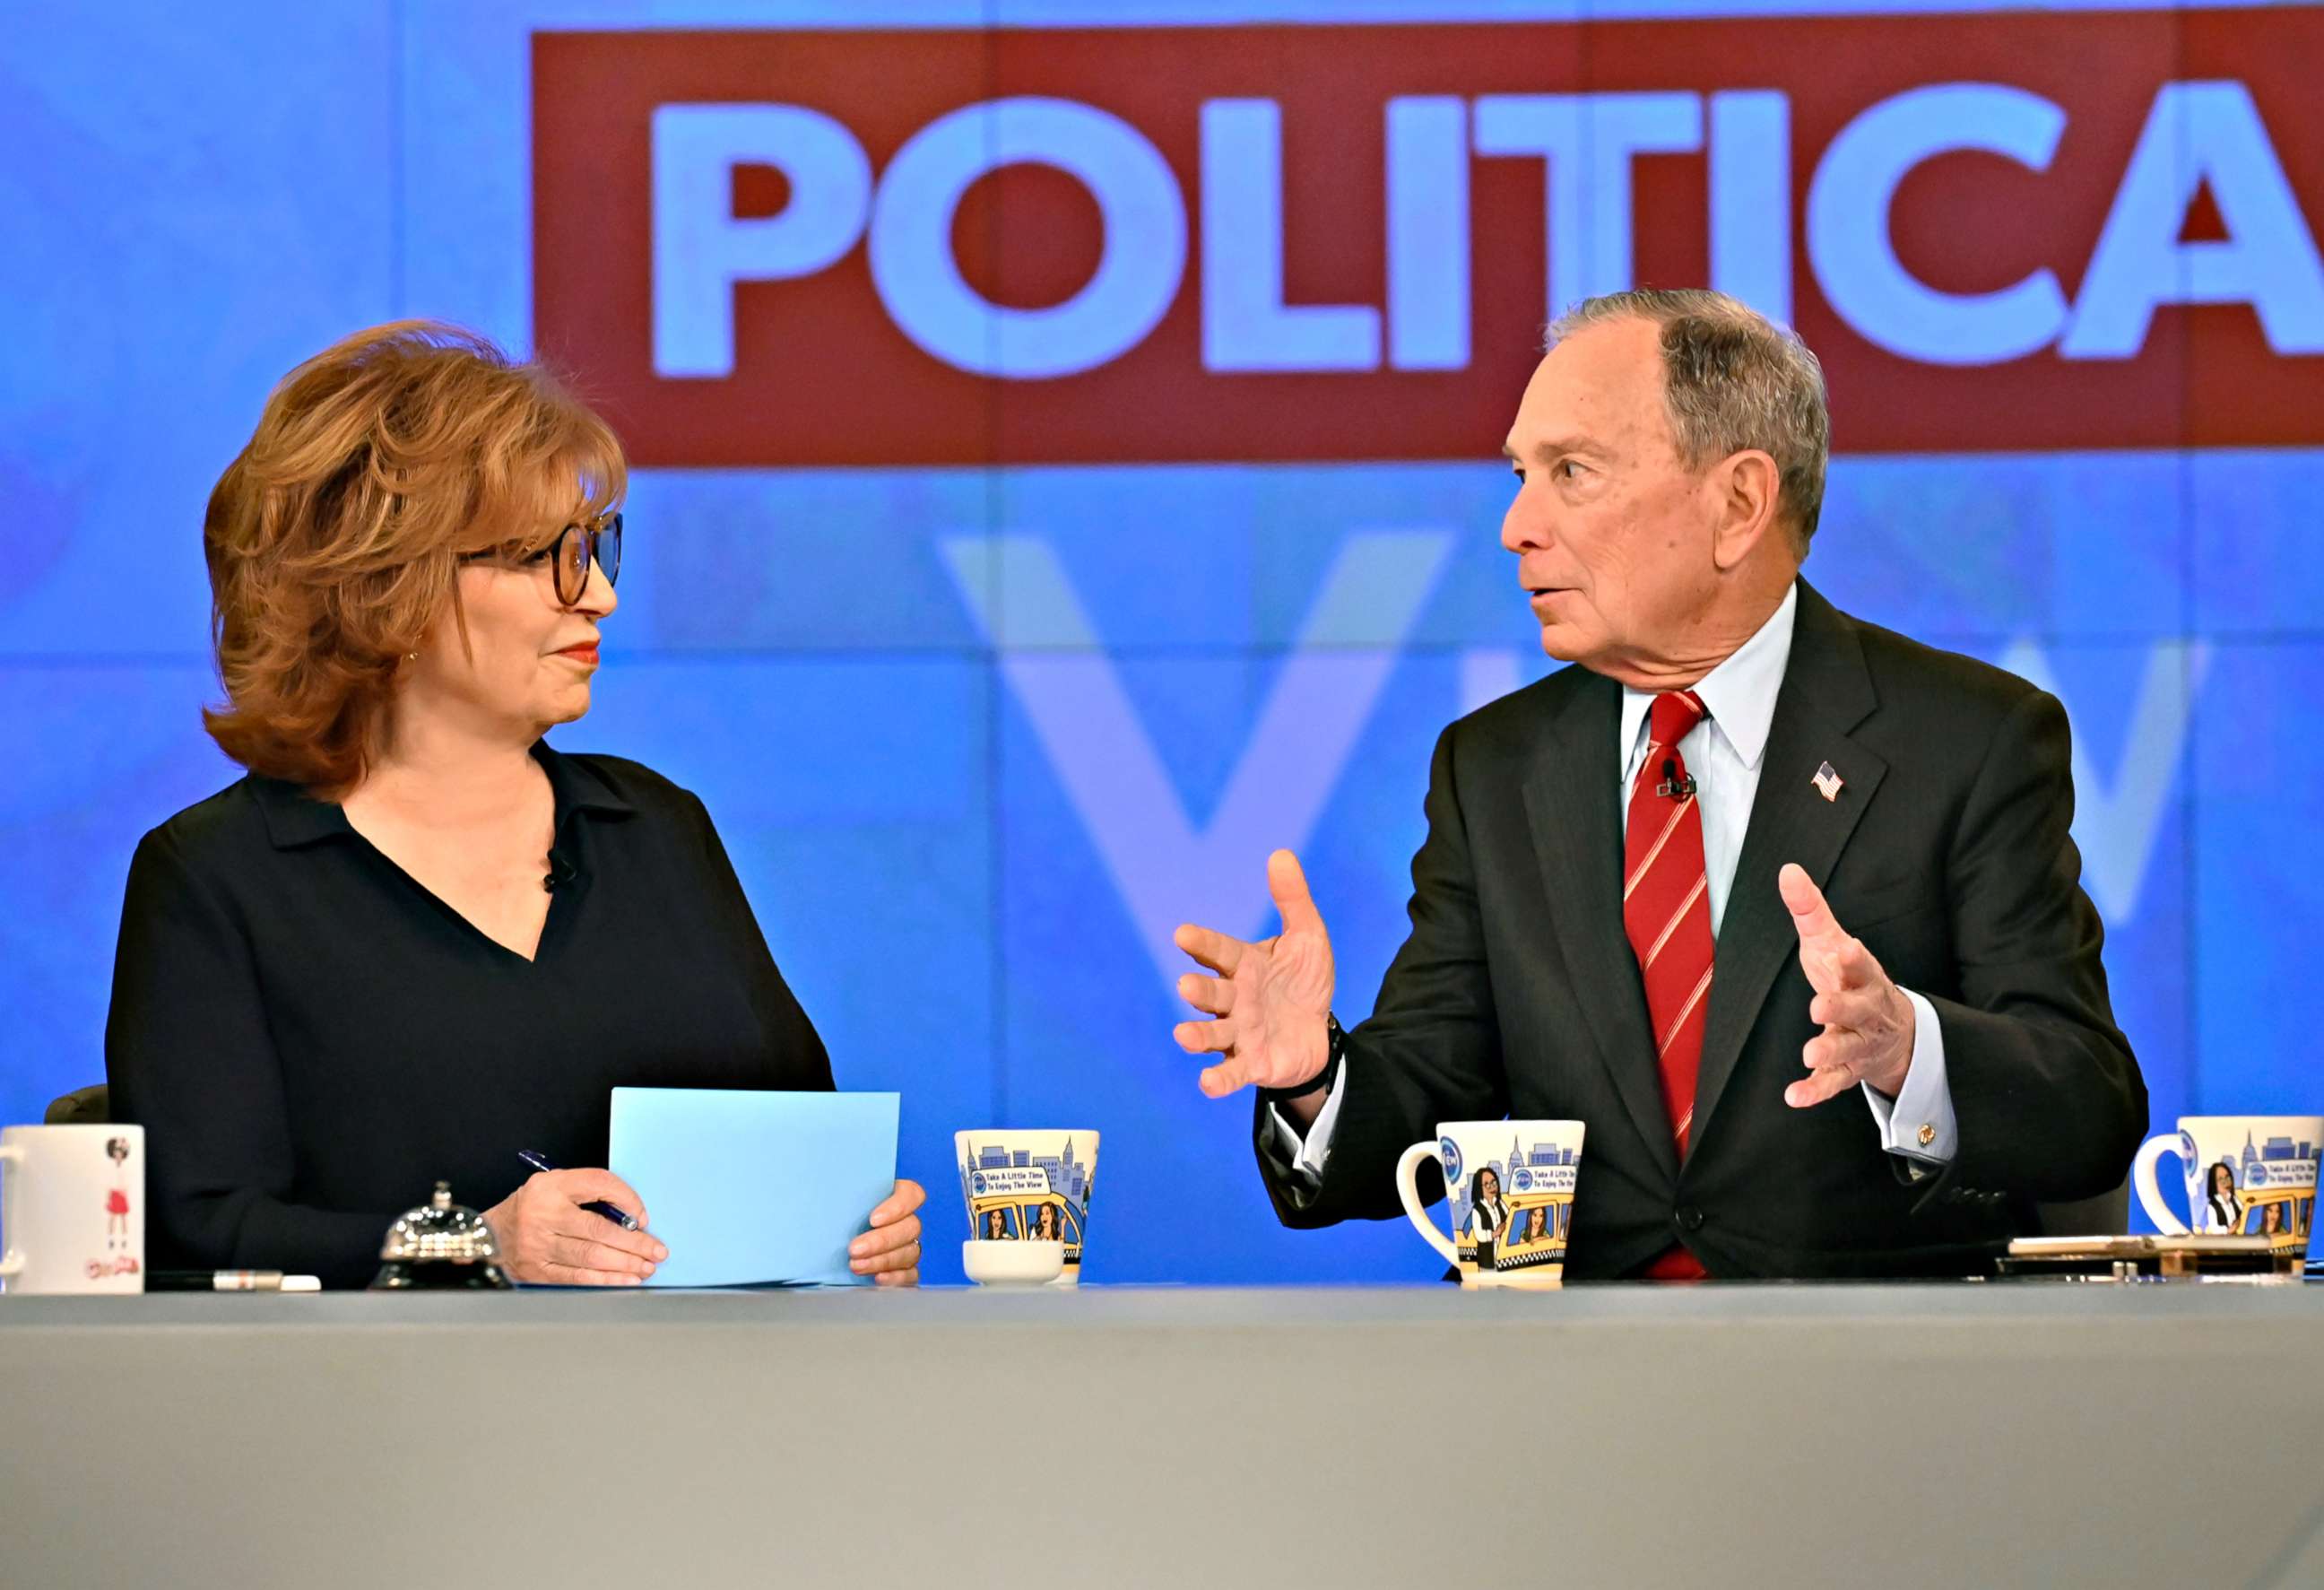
(1746, 486)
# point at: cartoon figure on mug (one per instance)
(1487, 1215)
(117, 1202)
(1532, 1237)
(2222, 1211)
(1045, 1225)
(997, 1226)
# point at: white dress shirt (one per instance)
(1723, 753)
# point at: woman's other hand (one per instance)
(890, 1252)
(546, 1237)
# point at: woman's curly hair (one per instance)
(334, 539)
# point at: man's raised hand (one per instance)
(1868, 1023)
(1272, 999)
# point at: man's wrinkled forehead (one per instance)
(1604, 383)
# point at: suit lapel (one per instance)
(1826, 693)
(1576, 818)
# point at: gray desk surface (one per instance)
(1950, 1435)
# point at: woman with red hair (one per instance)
(416, 939)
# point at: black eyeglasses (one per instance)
(569, 556)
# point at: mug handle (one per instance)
(1408, 1188)
(2141, 1174)
(13, 1260)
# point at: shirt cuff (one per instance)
(1307, 1156)
(1918, 1123)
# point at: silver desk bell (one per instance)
(440, 1245)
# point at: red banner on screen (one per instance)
(1999, 232)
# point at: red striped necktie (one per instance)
(1667, 916)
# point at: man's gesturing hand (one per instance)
(1272, 999)
(1867, 1022)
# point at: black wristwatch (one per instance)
(1322, 1081)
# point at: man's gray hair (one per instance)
(1732, 379)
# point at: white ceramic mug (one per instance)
(2246, 1176)
(72, 1209)
(1509, 1186)
(1027, 1187)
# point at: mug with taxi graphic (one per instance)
(2246, 1176)
(1029, 1187)
(1508, 1187)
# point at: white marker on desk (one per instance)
(229, 1280)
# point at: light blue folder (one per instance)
(749, 1187)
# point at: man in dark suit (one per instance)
(1750, 856)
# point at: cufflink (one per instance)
(1928, 1134)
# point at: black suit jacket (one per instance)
(1946, 852)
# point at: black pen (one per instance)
(594, 1205)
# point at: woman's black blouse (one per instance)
(312, 1040)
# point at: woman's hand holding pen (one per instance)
(547, 1238)
(550, 1231)
(891, 1251)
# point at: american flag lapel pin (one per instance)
(1827, 782)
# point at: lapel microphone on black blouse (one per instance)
(560, 871)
